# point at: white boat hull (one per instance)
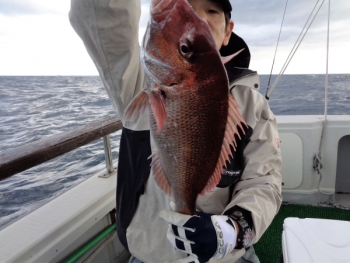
(56, 230)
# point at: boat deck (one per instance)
(269, 248)
(343, 199)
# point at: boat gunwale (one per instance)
(21, 158)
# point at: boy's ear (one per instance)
(230, 27)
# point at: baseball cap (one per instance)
(226, 6)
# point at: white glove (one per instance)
(203, 236)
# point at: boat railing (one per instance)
(21, 158)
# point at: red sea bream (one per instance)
(193, 118)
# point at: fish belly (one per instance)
(189, 146)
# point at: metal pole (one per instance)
(108, 154)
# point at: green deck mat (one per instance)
(269, 247)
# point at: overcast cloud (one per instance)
(37, 39)
(31, 7)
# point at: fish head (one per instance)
(179, 51)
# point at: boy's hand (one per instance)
(202, 236)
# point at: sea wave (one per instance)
(36, 107)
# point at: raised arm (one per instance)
(109, 30)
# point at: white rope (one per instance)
(326, 80)
(278, 40)
(319, 182)
(318, 158)
(294, 49)
(334, 204)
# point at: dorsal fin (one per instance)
(226, 59)
(234, 118)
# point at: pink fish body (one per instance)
(193, 118)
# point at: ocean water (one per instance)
(35, 107)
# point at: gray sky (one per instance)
(37, 39)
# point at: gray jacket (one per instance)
(109, 30)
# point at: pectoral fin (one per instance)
(136, 107)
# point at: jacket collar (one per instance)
(235, 73)
(237, 68)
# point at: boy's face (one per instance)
(214, 16)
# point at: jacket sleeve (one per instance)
(109, 30)
(257, 195)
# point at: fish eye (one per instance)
(185, 48)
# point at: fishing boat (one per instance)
(316, 168)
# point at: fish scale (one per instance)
(195, 129)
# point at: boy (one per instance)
(248, 196)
